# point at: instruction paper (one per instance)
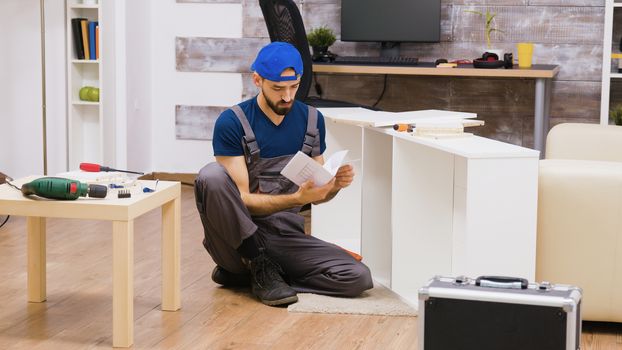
(302, 168)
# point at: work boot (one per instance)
(230, 279)
(267, 282)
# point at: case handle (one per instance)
(501, 282)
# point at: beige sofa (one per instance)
(580, 215)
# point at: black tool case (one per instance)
(498, 313)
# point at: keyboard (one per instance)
(377, 60)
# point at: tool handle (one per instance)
(400, 127)
(92, 167)
(502, 282)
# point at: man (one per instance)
(250, 211)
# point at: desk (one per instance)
(122, 213)
(421, 207)
(543, 74)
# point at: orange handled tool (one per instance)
(403, 127)
(400, 127)
(93, 168)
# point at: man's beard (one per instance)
(274, 106)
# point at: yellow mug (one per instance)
(525, 53)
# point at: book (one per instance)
(76, 30)
(92, 52)
(97, 41)
(302, 168)
(85, 38)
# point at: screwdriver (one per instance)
(403, 127)
(93, 168)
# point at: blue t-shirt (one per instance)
(286, 138)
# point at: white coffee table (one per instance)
(122, 213)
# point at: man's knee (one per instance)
(212, 176)
(360, 280)
(212, 186)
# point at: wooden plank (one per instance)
(578, 100)
(538, 24)
(488, 2)
(211, 1)
(359, 89)
(194, 54)
(253, 24)
(249, 89)
(596, 3)
(196, 122)
(407, 93)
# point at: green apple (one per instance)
(93, 94)
(84, 93)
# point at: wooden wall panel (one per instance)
(216, 54)
(248, 88)
(211, 1)
(539, 24)
(361, 89)
(596, 3)
(487, 2)
(196, 122)
(253, 25)
(565, 32)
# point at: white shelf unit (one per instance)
(608, 72)
(412, 222)
(84, 119)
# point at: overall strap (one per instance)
(251, 148)
(311, 145)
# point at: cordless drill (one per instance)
(60, 188)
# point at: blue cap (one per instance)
(276, 57)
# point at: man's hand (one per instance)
(307, 193)
(344, 177)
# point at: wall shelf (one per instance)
(85, 119)
(609, 57)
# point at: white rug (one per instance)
(376, 301)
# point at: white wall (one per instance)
(153, 85)
(138, 69)
(169, 87)
(21, 126)
(21, 146)
(55, 81)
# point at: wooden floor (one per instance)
(78, 313)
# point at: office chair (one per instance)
(285, 24)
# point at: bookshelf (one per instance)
(85, 119)
(610, 44)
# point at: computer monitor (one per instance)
(391, 22)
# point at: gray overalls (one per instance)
(310, 264)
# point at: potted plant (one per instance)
(615, 114)
(489, 27)
(320, 39)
